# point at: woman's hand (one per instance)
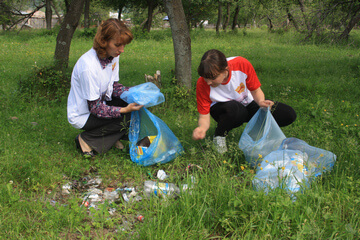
(131, 107)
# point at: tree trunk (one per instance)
(181, 40)
(66, 32)
(121, 6)
(354, 20)
(235, 19)
(87, 14)
(56, 12)
(227, 18)
(302, 8)
(67, 5)
(219, 18)
(291, 19)
(271, 26)
(151, 5)
(48, 14)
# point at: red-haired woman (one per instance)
(94, 103)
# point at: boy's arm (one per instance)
(259, 98)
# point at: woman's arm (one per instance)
(101, 110)
(118, 89)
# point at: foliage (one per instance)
(45, 82)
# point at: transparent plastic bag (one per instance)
(319, 160)
(293, 166)
(286, 169)
(164, 146)
(147, 94)
(261, 136)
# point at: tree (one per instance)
(219, 18)
(66, 32)
(235, 19)
(227, 17)
(87, 14)
(151, 5)
(48, 14)
(181, 40)
(354, 20)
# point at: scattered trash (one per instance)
(94, 195)
(160, 189)
(140, 218)
(193, 165)
(95, 182)
(112, 211)
(125, 197)
(161, 175)
(111, 195)
(126, 189)
(66, 188)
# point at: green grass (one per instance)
(38, 155)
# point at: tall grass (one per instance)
(38, 155)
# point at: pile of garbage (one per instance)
(94, 194)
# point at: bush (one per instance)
(45, 82)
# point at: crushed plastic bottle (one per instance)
(66, 188)
(160, 189)
(161, 174)
(112, 196)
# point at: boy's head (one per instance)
(111, 29)
(212, 64)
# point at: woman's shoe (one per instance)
(77, 143)
(90, 154)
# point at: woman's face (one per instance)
(114, 48)
(221, 78)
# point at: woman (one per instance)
(94, 103)
(229, 91)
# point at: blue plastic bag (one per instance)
(164, 147)
(147, 94)
(293, 166)
(261, 136)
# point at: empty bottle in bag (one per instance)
(160, 189)
(143, 144)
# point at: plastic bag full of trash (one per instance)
(293, 166)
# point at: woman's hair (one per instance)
(212, 64)
(111, 29)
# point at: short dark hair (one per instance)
(213, 62)
(110, 29)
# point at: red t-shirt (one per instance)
(242, 79)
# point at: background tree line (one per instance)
(334, 18)
(323, 19)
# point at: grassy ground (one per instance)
(38, 155)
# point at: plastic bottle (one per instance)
(111, 195)
(160, 189)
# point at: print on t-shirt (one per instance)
(240, 88)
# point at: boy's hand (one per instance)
(199, 133)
